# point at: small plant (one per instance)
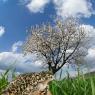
(4, 80)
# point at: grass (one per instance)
(81, 85)
(4, 80)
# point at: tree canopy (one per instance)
(59, 44)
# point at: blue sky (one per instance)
(16, 19)
(16, 16)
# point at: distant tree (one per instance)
(58, 44)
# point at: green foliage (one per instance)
(74, 86)
(4, 78)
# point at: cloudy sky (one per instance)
(16, 16)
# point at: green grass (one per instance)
(4, 79)
(81, 85)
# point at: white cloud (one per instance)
(37, 5)
(21, 63)
(90, 34)
(89, 29)
(91, 58)
(16, 45)
(91, 52)
(75, 8)
(2, 30)
(2, 71)
(64, 8)
(90, 44)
